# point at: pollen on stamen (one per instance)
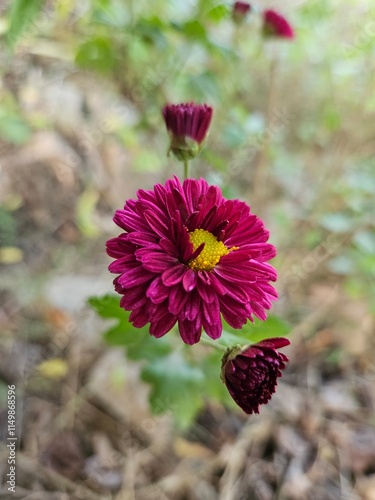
(212, 251)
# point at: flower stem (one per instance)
(213, 343)
(186, 169)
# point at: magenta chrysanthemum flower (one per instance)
(276, 25)
(250, 372)
(240, 11)
(188, 126)
(188, 255)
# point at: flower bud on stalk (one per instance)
(276, 26)
(240, 11)
(188, 126)
(250, 372)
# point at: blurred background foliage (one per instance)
(293, 133)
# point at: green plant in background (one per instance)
(21, 17)
(13, 127)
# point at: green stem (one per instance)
(213, 343)
(186, 169)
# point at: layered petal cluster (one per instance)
(240, 10)
(250, 373)
(187, 256)
(275, 25)
(188, 125)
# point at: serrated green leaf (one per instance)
(108, 306)
(149, 348)
(22, 14)
(121, 335)
(138, 342)
(176, 386)
(140, 345)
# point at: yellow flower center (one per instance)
(212, 251)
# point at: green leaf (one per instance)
(108, 306)
(13, 128)
(272, 327)
(96, 54)
(332, 119)
(152, 31)
(194, 30)
(176, 386)
(312, 238)
(366, 264)
(21, 16)
(140, 345)
(218, 13)
(112, 14)
(255, 332)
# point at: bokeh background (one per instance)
(293, 134)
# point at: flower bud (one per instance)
(275, 25)
(240, 11)
(250, 372)
(188, 126)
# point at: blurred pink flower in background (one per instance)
(275, 25)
